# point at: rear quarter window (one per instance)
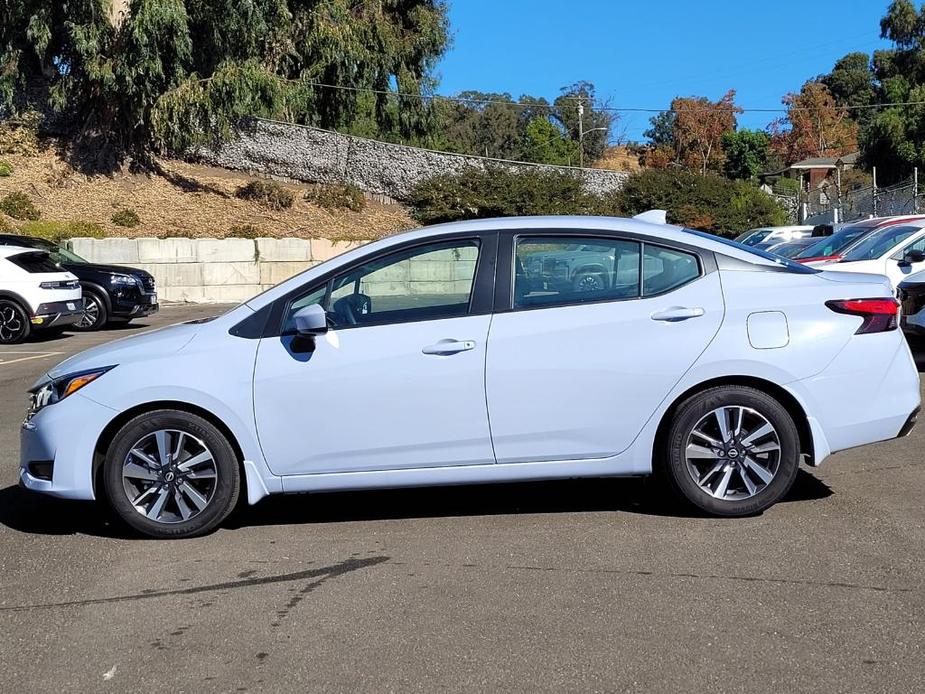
(34, 263)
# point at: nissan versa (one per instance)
(485, 351)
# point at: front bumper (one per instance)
(65, 435)
(133, 303)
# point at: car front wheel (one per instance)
(95, 313)
(732, 451)
(171, 474)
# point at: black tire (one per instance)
(673, 465)
(96, 315)
(15, 325)
(224, 492)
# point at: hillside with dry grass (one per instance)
(182, 199)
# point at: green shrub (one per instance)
(336, 197)
(19, 206)
(57, 231)
(6, 168)
(498, 192)
(709, 203)
(126, 217)
(269, 194)
(243, 231)
(787, 186)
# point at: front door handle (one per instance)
(677, 313)
(447, 347)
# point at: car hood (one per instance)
(156, 343)
(99, 267)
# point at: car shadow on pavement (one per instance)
(630, 495)
(29, 512)
(32, 513)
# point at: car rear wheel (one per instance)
(732, 451)
(14, 323)
(95, 314)
(171, 474)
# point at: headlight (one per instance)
(54, 391)
(123, 280)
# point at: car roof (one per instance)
(23, 241)
(7, 251)
(545, 224)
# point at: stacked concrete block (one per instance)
(212, 270)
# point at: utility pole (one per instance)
(581, 133)
(838, 214)
(915, 190)
(873, 196)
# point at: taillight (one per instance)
(880, 315)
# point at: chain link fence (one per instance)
(828, 203)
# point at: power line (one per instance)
(600, 106)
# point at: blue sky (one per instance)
(642, 53)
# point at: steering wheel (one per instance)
(352, 308)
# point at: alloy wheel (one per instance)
(169, 476)
(733, 453)
(12, 325)
(91, 313)
(589, 283)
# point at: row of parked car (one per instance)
(891, 246)
(47, 288)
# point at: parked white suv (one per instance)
(35, 294)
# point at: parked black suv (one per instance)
(112, 293)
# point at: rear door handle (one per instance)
(677, 313)
(447, 347)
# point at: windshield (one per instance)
(754, 237)
(788, 250)
(880, 243)
(837, 242)
(780, 261)
(63, 255)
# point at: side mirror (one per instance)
(311, 320)
(913, 256)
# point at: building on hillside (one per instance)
(812, 173)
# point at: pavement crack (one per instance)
(719, 577)
(320, 575)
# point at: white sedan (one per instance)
(897, 251)
(485, 351)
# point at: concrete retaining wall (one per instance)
(309, 154)
(211, 270)
(234, 270)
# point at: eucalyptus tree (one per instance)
(143, 75)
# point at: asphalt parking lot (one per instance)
(577, 586)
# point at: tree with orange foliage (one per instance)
(817, 126)
(699, 126)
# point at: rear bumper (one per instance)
(869, 393)
(57, 314)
